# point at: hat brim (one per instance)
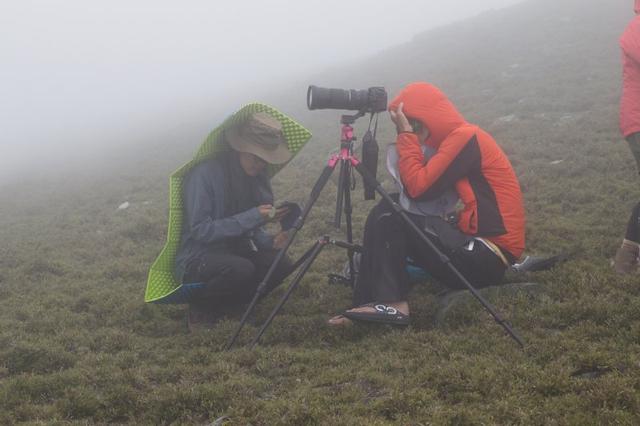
(277, 156)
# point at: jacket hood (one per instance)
(427, 103)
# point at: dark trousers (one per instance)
(388, 242)
(232, 277)
(633, 227)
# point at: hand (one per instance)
(400, 120)
(267, 211)
(281, 213)
(271, 214)
(280, 240)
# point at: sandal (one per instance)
(384, 315)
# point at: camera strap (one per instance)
(370, 154)
(375, 126)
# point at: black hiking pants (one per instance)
(232, 277)
(388, 242)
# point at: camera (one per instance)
(371, 100)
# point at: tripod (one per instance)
(348, 163)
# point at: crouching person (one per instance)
(482, 238)
(227, 201)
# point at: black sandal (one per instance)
(384, 315)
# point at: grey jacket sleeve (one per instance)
(199, 207)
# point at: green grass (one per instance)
(79, 346)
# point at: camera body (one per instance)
(371, 100)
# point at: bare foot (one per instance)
(339, 321)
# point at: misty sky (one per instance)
(72, 70)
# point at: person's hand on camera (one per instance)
(280, 240)
(400, 120)
(281, 213)
(271, 214)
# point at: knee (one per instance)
(380, 214)
(239, 270)
(388, 222)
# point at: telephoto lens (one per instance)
(373, 99)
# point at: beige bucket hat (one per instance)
(261, 135)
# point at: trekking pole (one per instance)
(443, 257)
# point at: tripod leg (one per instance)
(317, 248)
(348, 213)
(262, 288)
(443, 258)
(300, 261)
(343, 179)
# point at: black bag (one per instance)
(370, 152)
(450, 237)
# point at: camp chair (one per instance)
(162, 285)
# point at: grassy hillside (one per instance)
(78, 345)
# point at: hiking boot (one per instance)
(626, 261)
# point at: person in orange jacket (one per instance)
(482, 239)
(626, 260)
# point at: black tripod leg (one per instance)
(348, 246)
(317, 248)
(299, 262)
(262, 288)
(348, 213)
(443, 258)
(343, 179)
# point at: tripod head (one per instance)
(347, 120)
(348, 136)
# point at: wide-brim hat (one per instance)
(260, 135)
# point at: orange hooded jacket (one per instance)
(468, 158)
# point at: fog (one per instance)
(79, 78)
